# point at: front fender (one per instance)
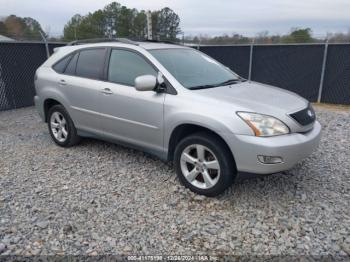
(219, 125)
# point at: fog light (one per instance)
(270, 159)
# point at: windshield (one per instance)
(193, 69)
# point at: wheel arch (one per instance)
(183, 130)
(48, 103)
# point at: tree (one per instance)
(115, 20)
(262, 38)
(121, 21)
(70, 29)
(299, 36)
(14, 26)
(32, 29)
(339, 37)
(26, 28)
(93, 25)
(166, 24)
(140, 25)
(3, 30)
(111, 14)
(125, 22)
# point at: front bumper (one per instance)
(292, 148)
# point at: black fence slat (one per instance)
(293, 67)
(296, 68)
(234, 57)
(336, 88)
(18, 63)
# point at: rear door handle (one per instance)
(107, 91)
(62, 82)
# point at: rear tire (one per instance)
(204, 164)
(61, 127)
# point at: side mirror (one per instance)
(145, 83)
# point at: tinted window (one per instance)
(90, 63)
(125, 66)
(70, 69)
(61, 65)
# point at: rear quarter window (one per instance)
(70, 69)
(61, 65)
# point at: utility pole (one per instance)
(149, 25)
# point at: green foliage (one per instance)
(166, 24)
(295, 36)
(115, 20)
(140, 25)
(218, 40)
(69, 30)
(90, 26)
(299, 36)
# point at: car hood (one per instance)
(256, 97)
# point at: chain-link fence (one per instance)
(236, 58)
(318, 72)
(18, 63)
(336, 86)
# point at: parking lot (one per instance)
(101, 198)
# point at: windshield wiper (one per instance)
(227, 82)
(202, 87)
(230, 82)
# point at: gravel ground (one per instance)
(100, 198)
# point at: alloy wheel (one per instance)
(200, 166)
(58, 126)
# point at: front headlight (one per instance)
(264, 125)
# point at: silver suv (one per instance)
(178, 104)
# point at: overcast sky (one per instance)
(210, 17)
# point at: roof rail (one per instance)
(160, 41)
(101, 40)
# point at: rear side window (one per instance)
(70, 69)
(90, 63)
(125, 66)
(60, 66)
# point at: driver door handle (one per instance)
(107, 91)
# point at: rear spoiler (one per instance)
(56, 49)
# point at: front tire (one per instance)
(61, 127)
(204, 164)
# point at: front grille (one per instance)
(305, 116)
